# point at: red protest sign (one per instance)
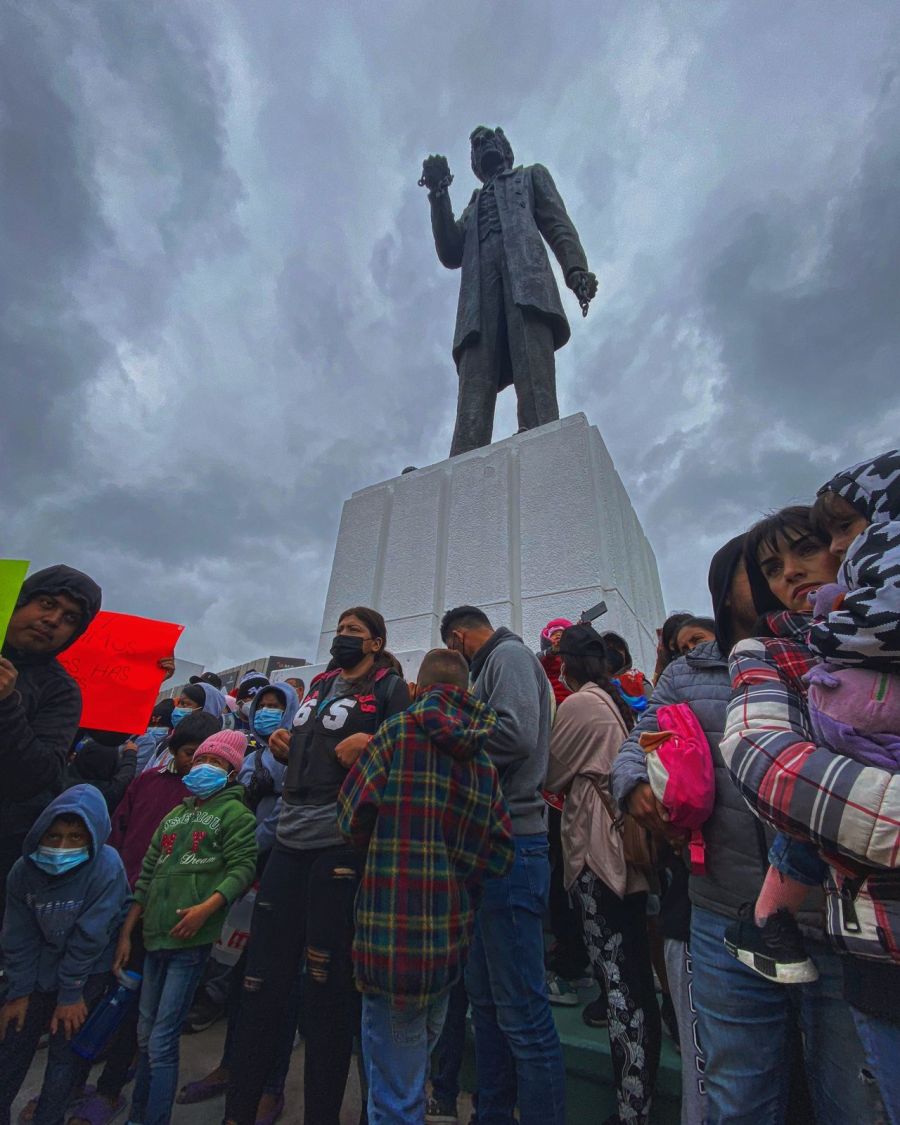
(116, 664)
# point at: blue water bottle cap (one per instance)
(130, 980)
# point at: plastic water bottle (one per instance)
(102, 1024)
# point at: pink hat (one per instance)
(554, 626)
(229, 746)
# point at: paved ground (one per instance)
(199, 1054)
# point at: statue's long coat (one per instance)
(529, 206)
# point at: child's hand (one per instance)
(192, 918)
(13, 1013)
(349, 749)
(122, 955)
(69, 1017)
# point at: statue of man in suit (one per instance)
(510, 319)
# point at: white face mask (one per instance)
(562, 678)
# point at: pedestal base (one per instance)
(530, 528)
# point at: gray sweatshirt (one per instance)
(508, 676)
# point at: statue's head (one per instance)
(491, 152)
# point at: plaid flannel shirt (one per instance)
(426, 800)
(848, 810)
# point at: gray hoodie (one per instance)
(507, 675)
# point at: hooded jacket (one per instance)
(213, 704)
(200, 847)
(39, 719)
(865, 630)
(61, 929)
(426, 800)
(508, 677)
(262, 775)
(105, 767)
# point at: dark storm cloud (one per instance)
(222, 311)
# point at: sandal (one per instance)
(200, 1091)
(26, 1114)
(96, 1110)
(274, 1115)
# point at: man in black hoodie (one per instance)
(40, 703)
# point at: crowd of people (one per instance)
(714, 846)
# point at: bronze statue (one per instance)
(510, 319)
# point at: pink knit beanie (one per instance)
(228, 746)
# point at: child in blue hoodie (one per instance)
(66, 899)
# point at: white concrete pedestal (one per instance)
(530, 528)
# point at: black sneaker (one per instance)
(438, 1112)
(594, 1014)
(775, 949)
(203, 1014)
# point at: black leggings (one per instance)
(304, 906)
(615, 932)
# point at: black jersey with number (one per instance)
(334, 709)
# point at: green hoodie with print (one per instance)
(200, 847)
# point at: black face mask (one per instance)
(347, 651)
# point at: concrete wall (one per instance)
(533, 527)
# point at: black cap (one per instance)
(582, 640)
(207, 678)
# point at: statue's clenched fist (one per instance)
(436, 175)
(583, 284)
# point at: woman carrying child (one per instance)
(841, 798)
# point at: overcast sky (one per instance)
(221, 311)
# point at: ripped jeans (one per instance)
(304, 908)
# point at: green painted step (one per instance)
(590, 1092)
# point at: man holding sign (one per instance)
(40, 703)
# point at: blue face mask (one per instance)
(267, 720)
(57, 861)
(205, 780)
(179, 713)
(158, 733)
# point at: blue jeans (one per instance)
(881, 1043)
(517, 1050)
(744, 1024)
(798, 860)
(65, 1071)
(396, 1047)
(171, 977)
(448, 1054)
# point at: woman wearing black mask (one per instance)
(305, 900)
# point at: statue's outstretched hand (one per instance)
(435, 175)
(583, 284)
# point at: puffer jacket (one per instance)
(851, 811)
(737, 844)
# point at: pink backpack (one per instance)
(680, 768)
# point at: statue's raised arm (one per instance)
(510, 319)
